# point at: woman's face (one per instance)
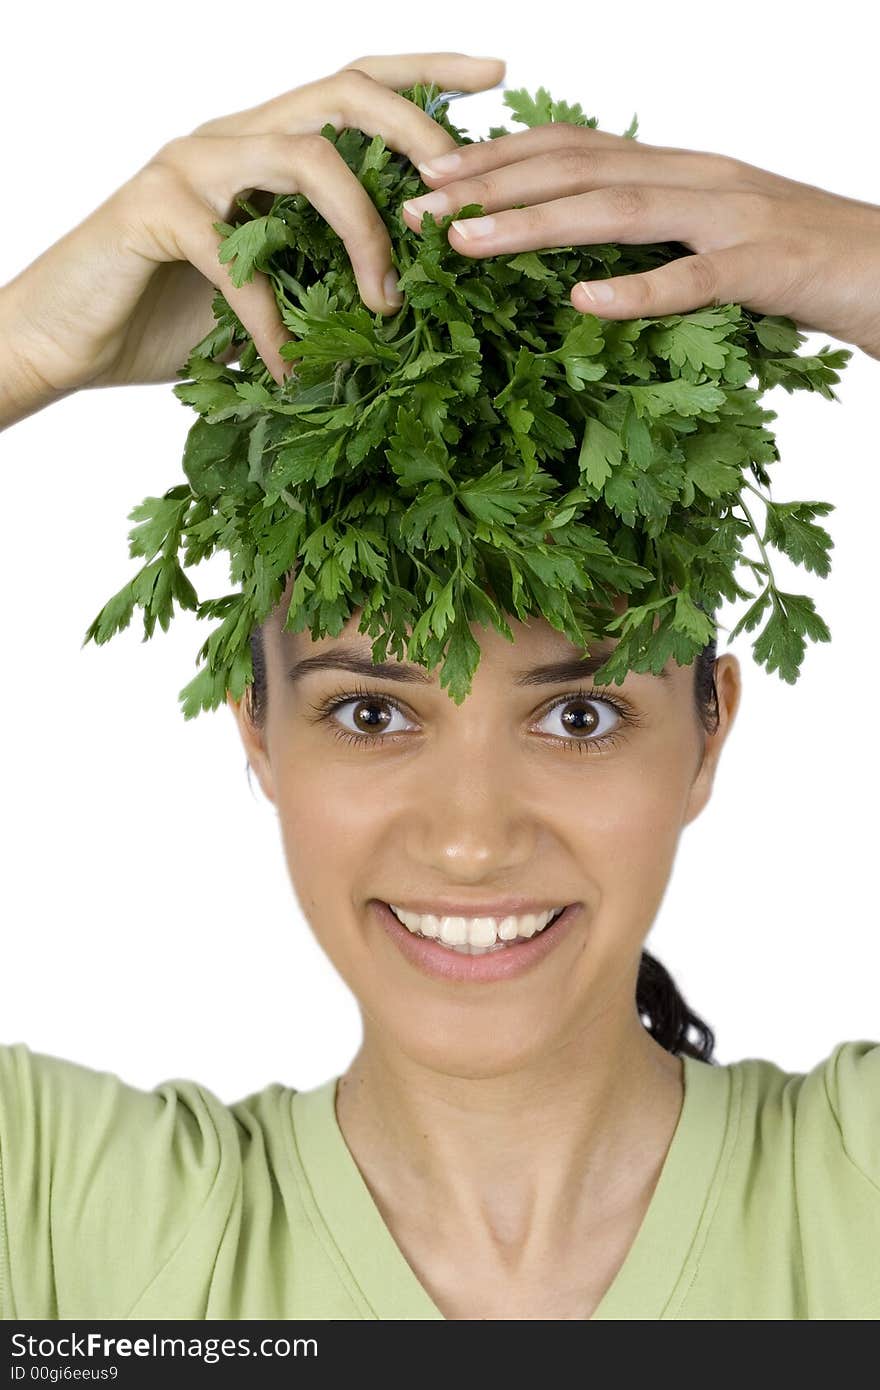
(526, 790)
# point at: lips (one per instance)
(443, 963)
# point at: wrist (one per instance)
(23, 390)
(869, 340)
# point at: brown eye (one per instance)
(586, 721)
(368, 716)
(364, 716)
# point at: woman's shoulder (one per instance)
(70, 1126)
(100, 1175)
(831, 1110)
(41, 1087)
(44, 1090)
(846, 1088)
(849, 1070)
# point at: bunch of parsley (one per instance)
(487, 450)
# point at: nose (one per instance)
(471, 821)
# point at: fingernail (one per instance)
(598, 292)
(441, 164)
(474, 227)
(389, 286)
(430, 202)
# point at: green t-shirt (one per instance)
(117, 1202)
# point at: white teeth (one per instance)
(453, 930)
(481, 931)
(475, 935)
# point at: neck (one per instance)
(519, 1160)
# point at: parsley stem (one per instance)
(658, 562)
(757, 536)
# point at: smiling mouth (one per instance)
(476, 936)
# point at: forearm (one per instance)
(23, 391)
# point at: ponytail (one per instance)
(667, 1017)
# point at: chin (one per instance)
(472, 1048)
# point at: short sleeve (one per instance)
(102, 1184)
(851, 1078)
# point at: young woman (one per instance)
(532, 1127)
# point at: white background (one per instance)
(149, 925)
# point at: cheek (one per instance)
(328, 828)
(631, 834)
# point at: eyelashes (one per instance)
(325, 711)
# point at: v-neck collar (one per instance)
(658, 1268)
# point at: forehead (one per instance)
(537, 655)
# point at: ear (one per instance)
(728, 683)
(254, 742)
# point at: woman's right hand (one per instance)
(124, 297)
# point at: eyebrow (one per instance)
(361, 664)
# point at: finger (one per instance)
(220, 168)
(352, 99)
(308, 108)
(445, 70)
(191, 237)
(703, 219)
(741, 274)
(483, 155)
(568, 171)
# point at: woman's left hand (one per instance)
(773, 244)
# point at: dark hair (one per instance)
(662, 1009)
